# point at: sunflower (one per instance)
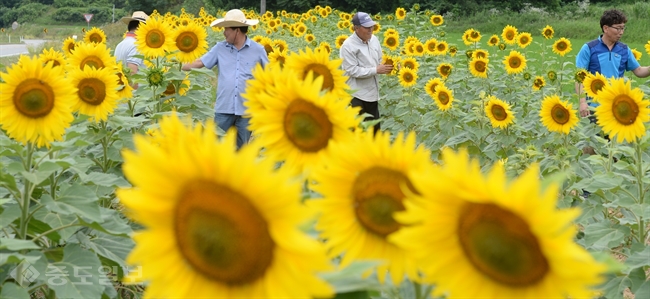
(95, 35)
(301, 29)
(309, 37)
(494, 40)
(471, 36)
(443, 97)
(548, 32)
(551, 75)
(154, 38)
(580, 75)
(622, 110)
(506, 236)
(407, 77)
(557, 115)
(325, 46)
(57, 58)
(96, 92)
(524, 39)
(432, 86)
(36, 102)
(453, 50)
(562, 46)
(400, 13)
(444, 69)
(509, 35)
(320, 64)
(280, 44)
(91, 54)
(340, 39)
(190, 41)
(391, 42)
(538, 83)
(223, 236)
(360, 191)
(515, 62)
(376, 28)
(124, 89)
(69, 45)
(436, 20)
(391, 31)
(594, 83)
(418, 48)
(441, 48)
(637, 54)
(480, 53)
(479, 67)
(394, 61)
(499, 112)
(278, 58)
(410, 62)
(647, 47)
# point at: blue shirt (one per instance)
(235, 68)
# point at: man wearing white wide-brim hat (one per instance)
(236, 57)
(126, 50)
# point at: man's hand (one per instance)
(384, 68)
(584, 108)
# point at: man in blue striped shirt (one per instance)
(236, 58)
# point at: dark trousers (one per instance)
(367, 107)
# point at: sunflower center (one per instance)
(187, 41)
(500, 245)
(95, 38)
(419, 48)
(307, 126)
(560, 114)
(479, 66)
(443, 97)
(524, 40)
(54, 62)
(498, 112)
(321, 70)
(155, 39)
(409, 64)
(514, 62)
(93, 61)
(561, 46)
(408, 77)
(221, 234)
(441, 47)
(33, 98)
(597, 85)
(625, 110)
(92, 91)
(170, 90)
(390, 41)
(510, 35)
(444, 70)
(377, 195)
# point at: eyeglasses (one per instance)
(618, 29)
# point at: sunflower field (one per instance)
(483, 183)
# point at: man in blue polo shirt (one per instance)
(607, 55)
(236, 58)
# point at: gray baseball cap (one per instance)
(363, 19)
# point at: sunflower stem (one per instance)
(639, 180)
(418, 290)
(25, 200)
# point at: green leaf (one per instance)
(349, 279)
(604, 181)
(44, 170)
(58, 220)
(639, 259)
(112, 223)
(78, 275)
(11, 290)
(111, 247)
(16, 258)
(603, 235)
(17, 244)
(643, 291)
(637, 278)
(104, 179)
(75, 200)
(9, 214)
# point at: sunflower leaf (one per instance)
(12, 290)
(77, 275)
(604, 235)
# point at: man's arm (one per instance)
(193, 65)
(134, 69)
(584, 107)
(642, 71)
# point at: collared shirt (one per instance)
(235, 68)
(360, 61)
(126, 50)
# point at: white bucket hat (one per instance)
(137, 16)
(234, 18)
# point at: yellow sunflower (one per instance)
(480, 53)
(524, 39)
(309, 37)
(647, 47)
(443, 97)
(494, 40)
(622, 110)
(68, 46)
(538, 83)
(361, 190)
(391, 31)
(222, 235)
(376, 28)
(509, 35)
(515, 62)
(453, 50)
(91, 54)
(57, 58)
(340, 39)
(479, 67)
(154, 38)
(580, 75)
(436, 20)
(298, 122)
(594, 83)
(96, 92)
(95, 35)
(320, 64)
(432, 86)
(124, 89)
(400, 13)
(558, 116)
(410, 62)
(278, 58)
(506, 236)
(394, 61)
(444, 69)
(441, 48)
(562, 46)
(418, 48)
(391, 42)
(499, 112)
(637, 54)
(407, 77)
(36, 102)
(552, 75)
(190, 41)
(267, 43)
(280, 44)
(548, 32)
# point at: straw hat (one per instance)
(137, 16)
(234, 18)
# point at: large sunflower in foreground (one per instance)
(35, 102)
(361, 190)
(407, 77)
(298, 123)
(506, 238)
(190, 41)
(509, 35)
(594, 83)
(97, 94)
(320, 64)
(499, 113)
(515, 62)
(443, 97)
(557, 115)
(562, 46)
(622, 110)
(479, 67)
(91, 54)
(235, 236)
(95, 35)
(154, 38)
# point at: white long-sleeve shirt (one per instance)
(360, 61)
